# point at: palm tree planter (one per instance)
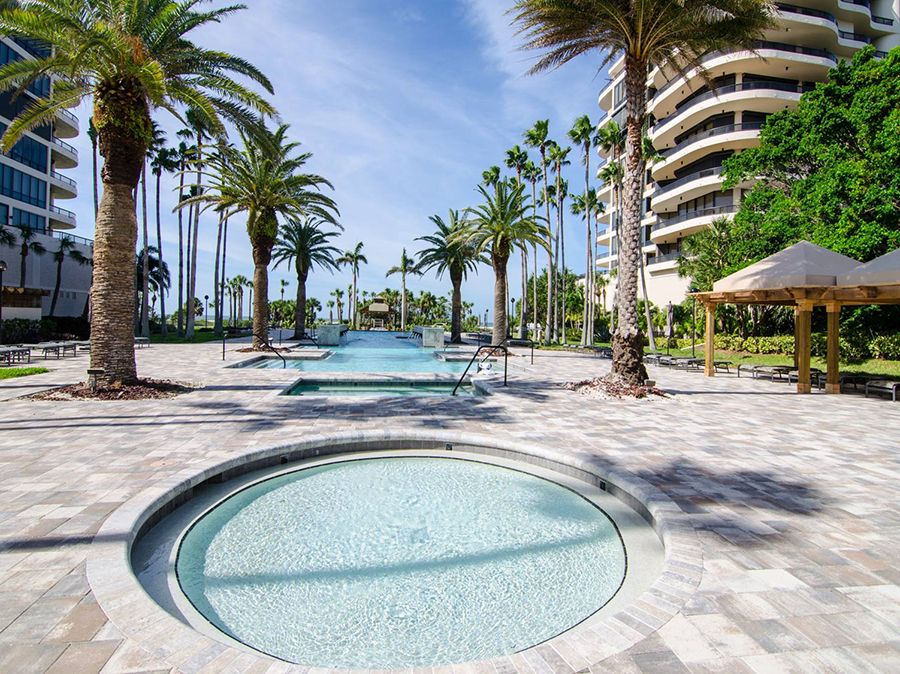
(132, 57)
(448, 253)
(670, 34)
(305, 245)
(497, 227)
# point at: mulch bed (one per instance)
(610, 388)
(142, 389)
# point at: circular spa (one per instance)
(397, 559)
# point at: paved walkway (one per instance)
(793, 498)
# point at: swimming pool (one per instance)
(315, 388)
(400, 562)
(370, 351)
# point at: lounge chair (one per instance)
(15, 354)
(722, 365)
(883, 386)
(772, 372)
(816, 377)
(141, 342)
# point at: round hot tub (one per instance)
(397, 558)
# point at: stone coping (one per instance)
(317, 354)
(124, 600)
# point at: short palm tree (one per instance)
(131, 58)
(407, 266)
(264, 180)
(28, 244)
(353, 258)
(502, 223)
(305, 244)
(448, 253)
(669, 34)
(66, 249)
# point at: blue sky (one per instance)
(404, 103)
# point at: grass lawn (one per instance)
(872, 367)
(13, 372)
(200, 337)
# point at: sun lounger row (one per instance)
(15, 354)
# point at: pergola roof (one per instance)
(882, 270)
(803, 265)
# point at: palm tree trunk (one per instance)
(56, 286)
(534, 283)
(562, 258)
(23, 253)
(164, 327)
(262, 256)
(628, 342)
(192, 264)
(586, 325)
(353, 302)
(456, 307)
(300, 305)
(556, 277)
(94, 171)
(549, 251)
(403, 301)
(145, 269)
(180, 316)
(523, 331)
(217, 312)
(498, 334)
(222, 277)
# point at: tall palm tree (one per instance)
(159, 279)
(264, 181)
(157, 140)
(165, 160)
(558, 156)
(538, 138)
(583, 136)
(517, 160)
(130, 57)
(407, 266)
(305, 244)
(338, 296)
(611, 174)
(184, 155)
(587, 205)
(66, 249)
(240, 282)
(353, 258)
(448, 253)
(491, 176)
(669, 34)
(330, 305)
(92, 135)
(496, 227)
(28, 244)
(532, 173)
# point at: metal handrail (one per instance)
(690, 215)
(266, 343)
(492, 348)
(63, 179)
(62, 211)
(65, 145)
(62, 112)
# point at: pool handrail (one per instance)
(266, 343)
(492, 349)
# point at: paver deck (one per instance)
(793, 499)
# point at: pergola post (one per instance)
(709, 346)
(804, 329)
(833, 372)
(796, 337)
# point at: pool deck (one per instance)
(793, 500)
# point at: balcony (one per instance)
(673, 229)
(61, 218)
(854, 37)
(701, 143)
(668, 196)
(66, 124)
(64, 155)
(62, 187)
(664, 262)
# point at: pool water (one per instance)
(400, 562)
(369, 351)
(388, 388)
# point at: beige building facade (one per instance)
(696, 125)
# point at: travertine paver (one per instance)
(792, 497)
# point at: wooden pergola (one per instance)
(805, 276)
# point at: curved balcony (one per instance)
(61, 218)
(66, 125)
(700, 144)
(62, 187)
(768, 97)
(64, 155)
(663, 262)
(687, 187)
(771, 58)
(669, 231)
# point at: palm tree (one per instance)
(611, 174)
(131, 57)
(447, 252)
(517, 160)
(584, 136)
(184, 153)
(157, 139)
(669, 34)
(407, 266)
(532, 174)
(587, 205)
(338, 296)
(264, 181)
(330, 305)
(28, 243)
(558, 156)
(353, 258)
(304, 244)
(158, 279)
(165, 160)
(66, 249)
(240, 281)
(92, 135)
(491, 177)
(498, 226)
(538, 137)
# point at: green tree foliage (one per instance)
(829, 169)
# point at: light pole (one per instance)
(206, 320)
(509, 320)
(2, 269)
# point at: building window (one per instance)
(22, 218)
(28, 151)
(23, 187)
(40, 87)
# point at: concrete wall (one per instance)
(41, 273)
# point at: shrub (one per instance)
(17, 330)
(886, 346)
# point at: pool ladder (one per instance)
(271, 348)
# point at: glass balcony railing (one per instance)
(882, 20)
(69, 215)
(691, 215)
(63, 179)
(77, 239)
(709, 133)
(806, 11)
(665, 257)
(65, 114)
(667, 189)
(64, 145)
(856, 37)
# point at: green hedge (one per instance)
(886, 347)
(21, 330)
